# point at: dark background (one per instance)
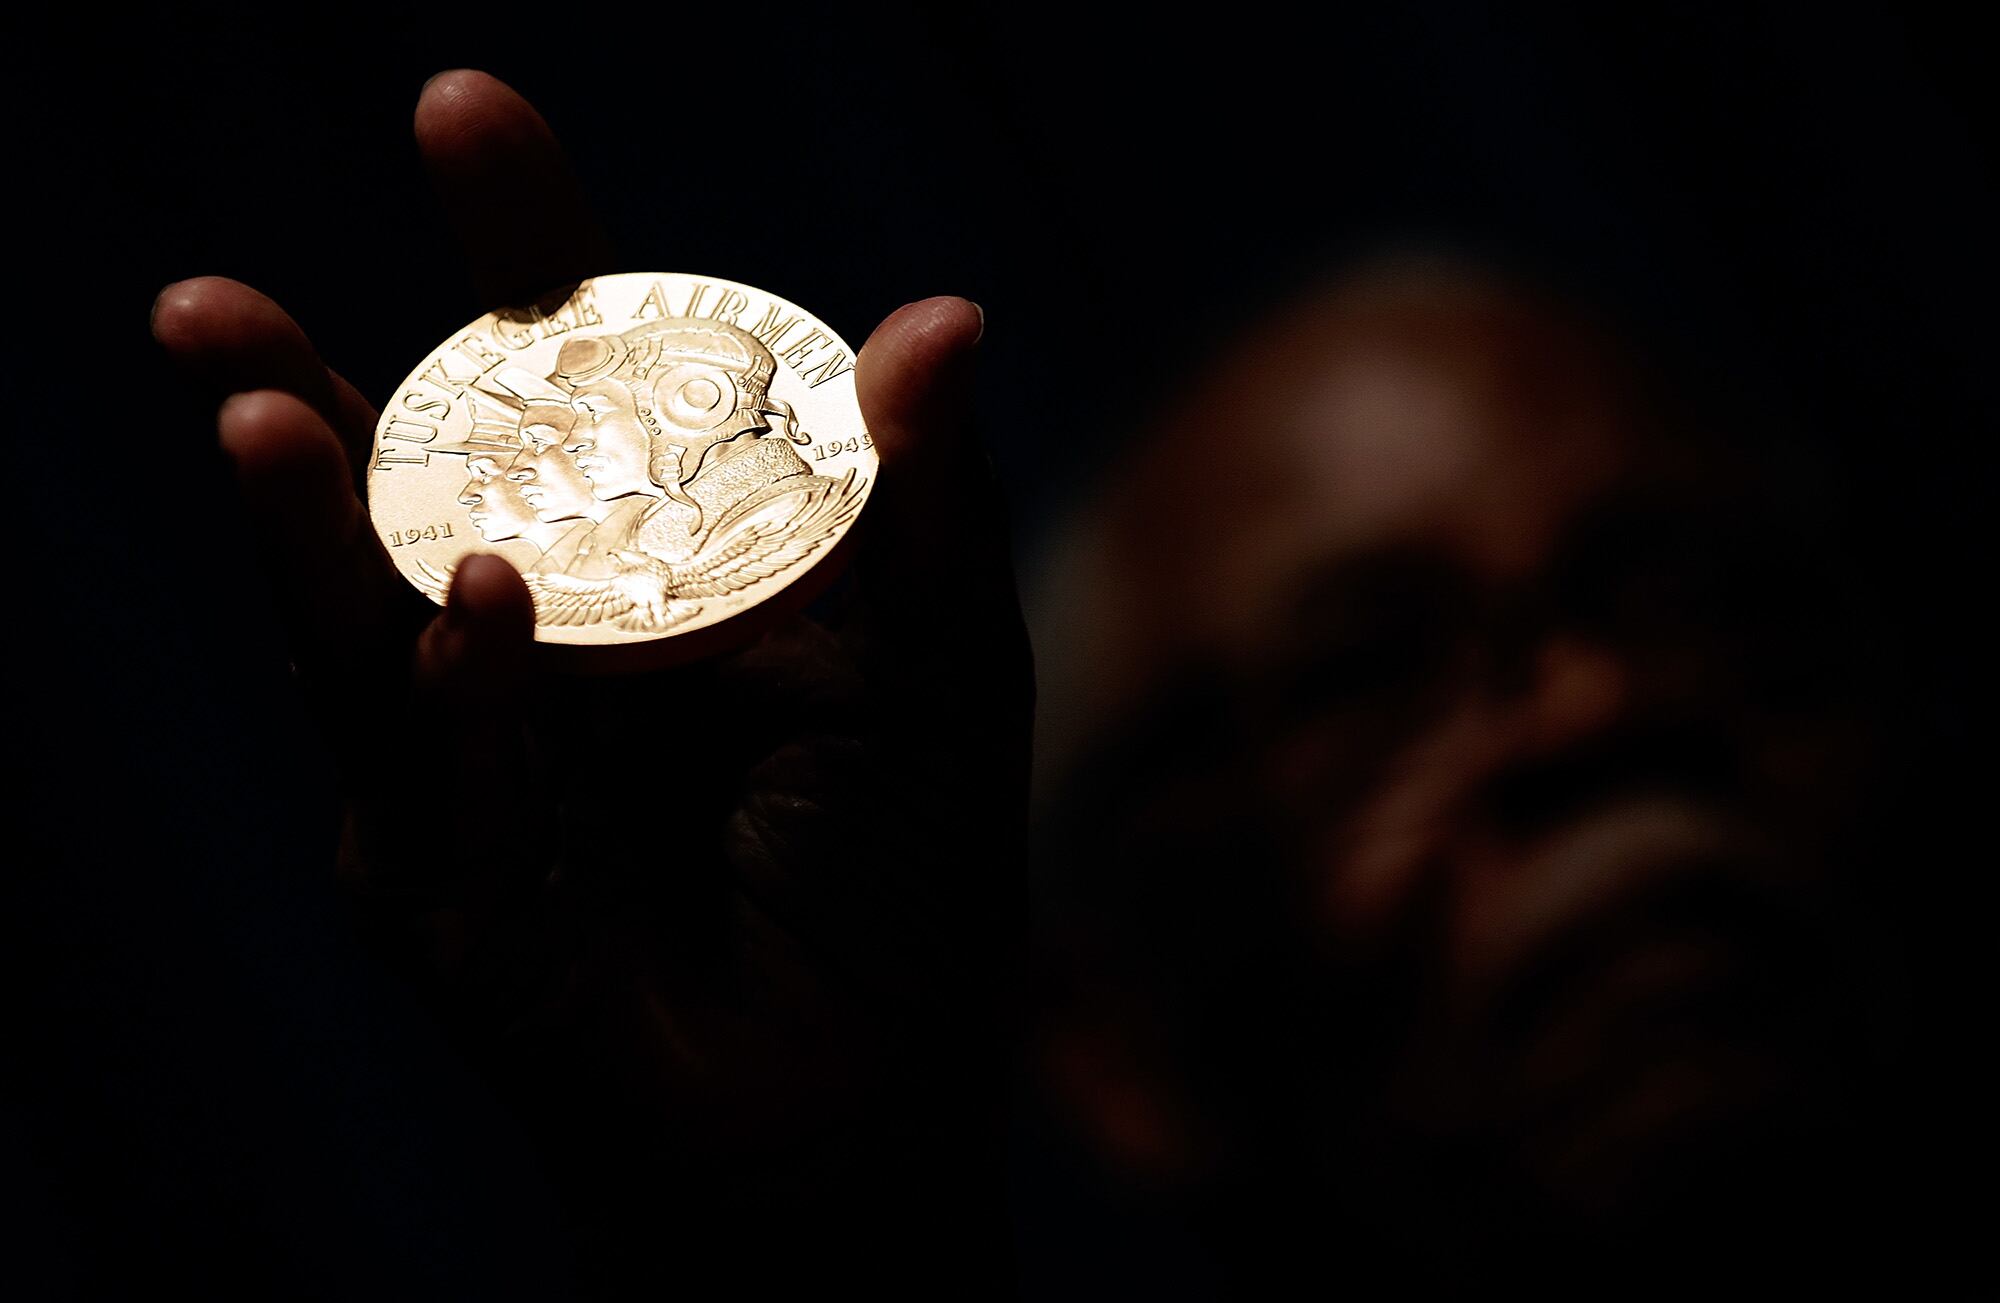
(209, 1081)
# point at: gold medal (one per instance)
(656, 453)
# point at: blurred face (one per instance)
(494, 505)
(609, 444)
(1469, 732)
(549, 480)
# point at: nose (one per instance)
(469, 497)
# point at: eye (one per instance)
(1371, 635)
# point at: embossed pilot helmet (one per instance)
(513, 409)
(495, 431)
(694, 384)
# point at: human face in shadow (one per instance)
(1465, 745)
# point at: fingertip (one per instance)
(442, 75)
(160, 300)
(480, 642)
(180, 309)
(480, 137)
(926, 330)
(253, 409)
(462, 110)
(294, 479)
(488, 592)
(913, 357)
(444, 90)
(268, 431)
(232, 338)
(483, 579)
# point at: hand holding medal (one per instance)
(754, 902)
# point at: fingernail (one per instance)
(982, 321)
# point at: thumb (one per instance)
(935, 543)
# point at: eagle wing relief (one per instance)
(560, 600)
(772, 537)
(649, 595)
(638, 599)
(434, 583)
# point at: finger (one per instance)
(338, 590)
(936, 532)
(467, 673)
(913, 378)
(439, 862)
(506, 188)
(235, 339)
(478, 649)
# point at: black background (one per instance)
(210, 1082)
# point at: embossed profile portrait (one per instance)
(520, 484)
(696, 470)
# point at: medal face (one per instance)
(656, 454)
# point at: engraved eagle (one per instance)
(650, 595)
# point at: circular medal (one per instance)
(656, 453)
